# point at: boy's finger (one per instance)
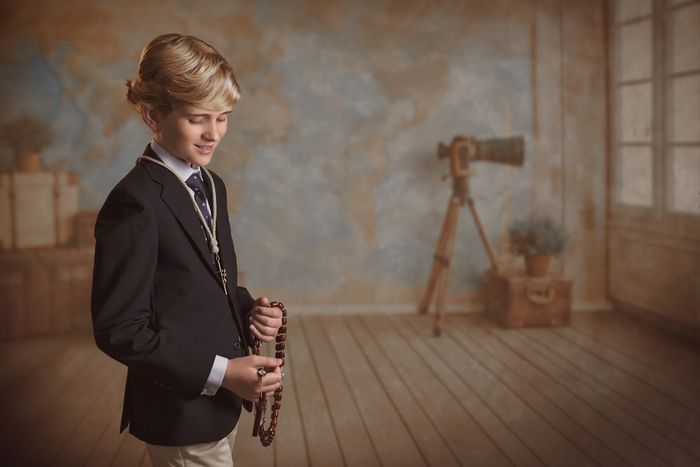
(267, 321)
(267, 331)
(271, 379)
(262, 333)
(268, 362)
(263, 301)
(268, 311)
(255, 332)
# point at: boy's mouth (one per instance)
(205, 148)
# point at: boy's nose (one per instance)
(212, 133)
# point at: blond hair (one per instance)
(176, 69)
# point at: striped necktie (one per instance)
(197, 185)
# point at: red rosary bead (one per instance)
(267, 435)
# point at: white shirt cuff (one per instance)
(216, 376)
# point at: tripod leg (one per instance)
(439, 260)
(484, 238)
(444, 281)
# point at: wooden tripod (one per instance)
(439, 275)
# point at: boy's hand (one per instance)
(242, 377)
(264, 320)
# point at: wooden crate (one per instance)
(516, 300)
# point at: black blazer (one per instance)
(159, 307)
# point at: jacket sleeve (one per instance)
(245, 300)
(126, 256)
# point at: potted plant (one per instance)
(27, 136)
(538, 240)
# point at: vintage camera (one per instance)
(462, 150)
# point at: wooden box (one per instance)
(37, 209)
(516, 300)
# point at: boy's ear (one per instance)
(152, 118)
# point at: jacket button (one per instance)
(236, 346)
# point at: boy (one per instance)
(165, 301)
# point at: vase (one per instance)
(29, 161)
(537, 265)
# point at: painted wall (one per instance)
(333, 181)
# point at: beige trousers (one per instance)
(216, 454)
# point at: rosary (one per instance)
(267, 435)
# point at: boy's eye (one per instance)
(195, 120)
(222, 119)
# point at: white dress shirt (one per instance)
(184, 170)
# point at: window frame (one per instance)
(658, 217)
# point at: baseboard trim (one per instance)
(377, 308)
(583, 305)
(686, 332)
(407, 308)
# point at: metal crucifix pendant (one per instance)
(222, 272)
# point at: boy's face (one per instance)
(189, 132)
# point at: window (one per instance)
(656, 106)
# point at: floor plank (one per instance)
(20, 358)
(145, 461)
(103, 451)
(394, 446)
(653, 446)
(56, 425)
(248, 450)
(49, 386)
(423, 428)
(381, 390)
(576, 420)
(129, 453)
(32, 385)
(525, 437)
(647, 397)
(351, 431)
(83, 438)
(467, 439)
(650, 352)
(667, 385)
(534, 388)
(640, 341)
(322, 440)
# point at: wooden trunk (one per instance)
(37, 209)
(45, 291)
(514, 299)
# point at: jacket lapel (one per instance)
(179, 202)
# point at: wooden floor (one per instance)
(379, 390)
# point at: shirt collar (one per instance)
(182, 169)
